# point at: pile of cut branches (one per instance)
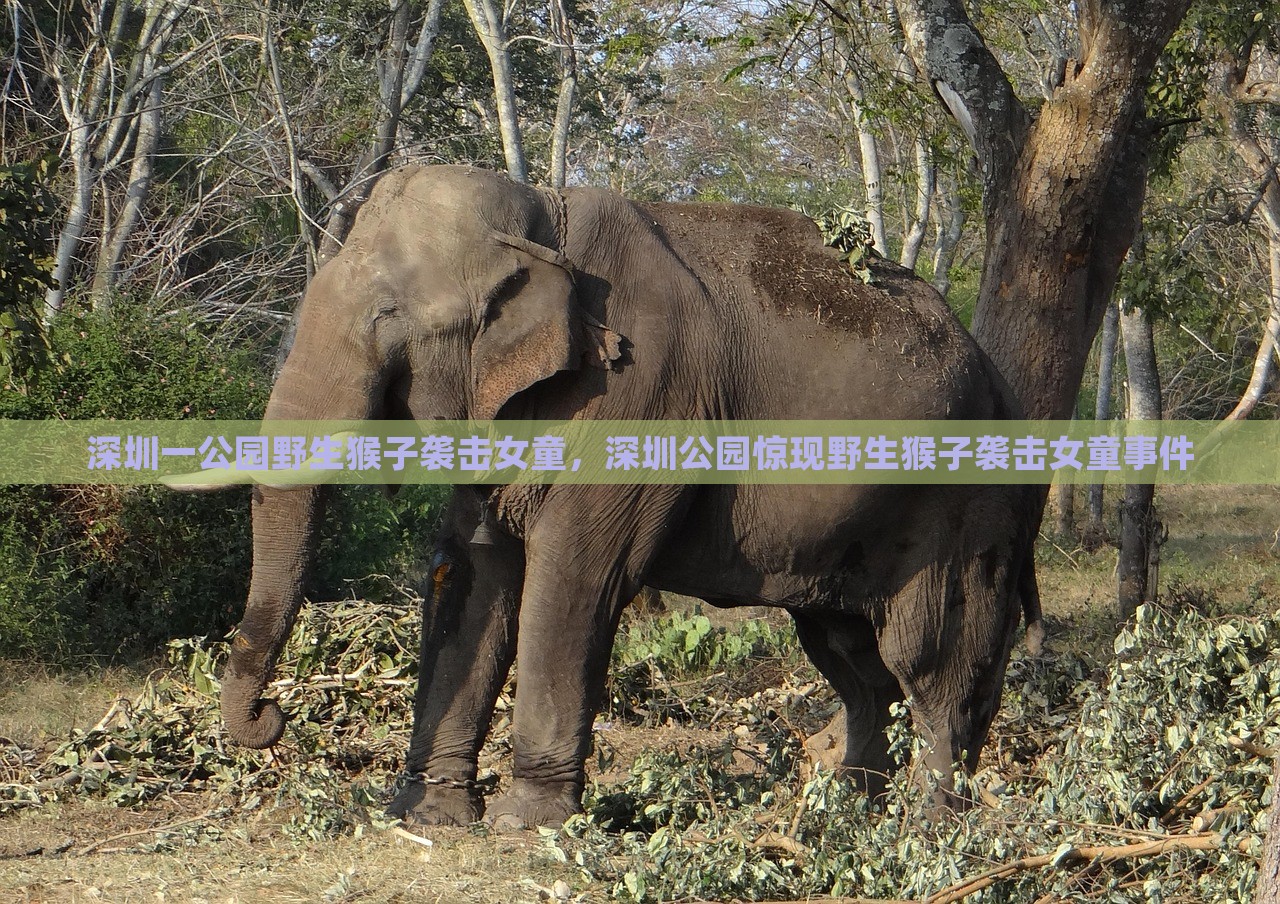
(1145, 780)
(346, 678)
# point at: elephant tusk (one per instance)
(209, 481)
(213, 479)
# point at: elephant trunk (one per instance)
(284, 530)
(328, 376)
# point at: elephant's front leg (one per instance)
(579, 576)
(468, 643)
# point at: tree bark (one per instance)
(1268, 890)
(1061, 194)
(568, 59)
(1065, 503)
(141, 173)
(869, 154)
(491, 27)
(1137, 571)
(951, 219)
(914, 239)
(72, 232)
(1095, 531)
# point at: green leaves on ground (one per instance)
(1080, 756)
(26, 267)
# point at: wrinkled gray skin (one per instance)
(454, 297)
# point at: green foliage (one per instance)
(26, 266)
(367, 537)
(849, 232)
(1079, 759)
(1162, 278)
(110, 569)
(141, 363)
(688, 645)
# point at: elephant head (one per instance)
(450, 298)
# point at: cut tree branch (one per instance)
(1064, 857)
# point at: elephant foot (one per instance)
(527, 805)
(436, 805)
(865, 761)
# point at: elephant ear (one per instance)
(533, 327)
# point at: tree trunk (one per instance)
(1268, 890)
(1062, 193)
(568, 58)
(951, 219)
(1260, 165)
(914, 239)
(487, 18)
(71, 235)
(141, 172)
(1137, 571)
(401, 70)
(870, 157)
(1065, 503)
(1095, 531)
(110, 95)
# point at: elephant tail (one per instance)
(1029, 591)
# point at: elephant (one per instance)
(460, 294)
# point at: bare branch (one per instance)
(1259, 93)
(422, 50)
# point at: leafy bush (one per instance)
(103, 569)
(108, 570)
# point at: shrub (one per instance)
(111, 570)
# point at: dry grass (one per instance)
(37, 704)
(254, 861)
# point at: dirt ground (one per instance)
(189, 848)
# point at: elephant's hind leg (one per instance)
(468, 644)
(843, 648)
(948, 639)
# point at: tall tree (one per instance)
(491, 23)
(1268, 890)
(1140, 529)
(1062, 186)
(1095, 531)
(1236, 103)
(567, 56)
(109, 62)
